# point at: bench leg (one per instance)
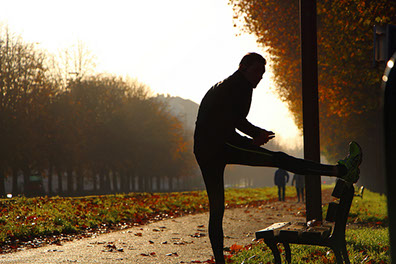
(345, 254)
(288, 252)
(275, 251)
(337, 253)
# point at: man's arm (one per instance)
(263, 137)
(248, 128)
(260, 136)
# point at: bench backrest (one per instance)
(338, 211)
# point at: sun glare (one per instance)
(177, 47)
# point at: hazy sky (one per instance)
(176, 47)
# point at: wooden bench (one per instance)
(330, 233)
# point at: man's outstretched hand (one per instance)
(263, 137)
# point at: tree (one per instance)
(74, 63)
(349, 87)
(82, 126)
(24, 96)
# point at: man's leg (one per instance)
(251, 155)
(213, 175)
(283, 192)
(279, 193)
(298, 194)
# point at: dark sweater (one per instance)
(223, 109)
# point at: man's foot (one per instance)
(352, 163)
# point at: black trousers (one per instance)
(300, 193)
(212, 168)
(281, 192)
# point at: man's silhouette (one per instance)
(280, 180)
(216, 143)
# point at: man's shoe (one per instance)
(352, 163)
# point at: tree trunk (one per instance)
(124, 181)
(171, 184)
(26, 180)
(102, 180)
(69, 181)
(128, 179)
(50, 171)
(141, 183)
(106, 182)
(80, 181)
(147, 183)
(114, 180)
(15, 190)
(132, 179)
(95, 181)
(26, 174)
(2, 184)
(60, 181)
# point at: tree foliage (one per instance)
(102, 129)
(349, 90)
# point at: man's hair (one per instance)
(251, 58)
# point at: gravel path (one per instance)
(180, 240)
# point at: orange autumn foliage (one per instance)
(349, 86)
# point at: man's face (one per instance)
(254, 73)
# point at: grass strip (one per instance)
(25, 219)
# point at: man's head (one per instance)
(252, 67)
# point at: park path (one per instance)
(179, 240)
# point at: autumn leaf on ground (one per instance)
(172, 254)
(235, 248)
(198, 235)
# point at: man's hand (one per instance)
(263, 137)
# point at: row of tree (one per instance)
(349, 86)
(70, 126)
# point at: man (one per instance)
(299, 180)
(216, 143)
(280, 179)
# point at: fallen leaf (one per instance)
(198, 235)
(172, 254)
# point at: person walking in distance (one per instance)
(299, 180)
(216, 143)
(281, 178)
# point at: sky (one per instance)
(176, 47)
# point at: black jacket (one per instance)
(281, 177)
(223, 109)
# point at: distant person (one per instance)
(280, 179)
(299, 180)
(216, 143)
